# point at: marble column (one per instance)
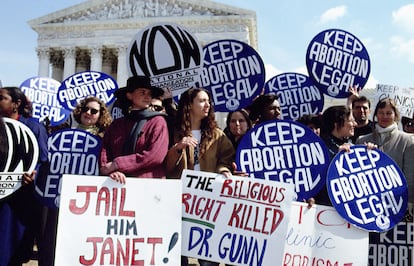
(70, 62)
(44, 62)
(122, 72)
(96, 58)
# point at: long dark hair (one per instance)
(25, 108)
(183, 121)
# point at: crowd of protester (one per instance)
(159, 138)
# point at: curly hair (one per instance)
(183, 119)
(105, 118)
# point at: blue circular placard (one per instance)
(71, 151)
(337, 60)
(297, 93)
(233, 72)
(367, 188)
(167, 53)
(84, 84)
(285, 151)
(42, 92)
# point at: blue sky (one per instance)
(285, 28)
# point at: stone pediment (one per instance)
(110, 10)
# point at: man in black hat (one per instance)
(136, 144)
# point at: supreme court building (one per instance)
(95, 35)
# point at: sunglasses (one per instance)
(157, 108)
(85, 109)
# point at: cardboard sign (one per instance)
(285, 151)
(238, 221)
(367, 188)
(42, 92)
(297, 93)
(102, 222)
(169, 54)
(22, 157)
(233, 72)
(403, 98)
(319, 236)
(71, 151)
(337, 60)
(84, 84)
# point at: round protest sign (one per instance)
(20, 155)
(297, 93)
(84, 84)
(337, 60)
(367, 188)
(285, 151)
(169, 54)
(42, 92)
(234, 74)
(71, 151)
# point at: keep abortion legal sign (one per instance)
(84, 84)
(298, 95)
(71, 151)
(285, 151)
(42, 93)
(367, 188)
(233, 72)
(337, 60)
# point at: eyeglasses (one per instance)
(85, 109)
(157, 108)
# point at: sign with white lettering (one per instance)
(42, 92)
(337, 60)
(71, 151)
(393, 247)
(285, 151)
(319, 236)
(297, 93)
(167, 53)
(84, 84)
(21, 153)
(233, 72)
(237, 220)
(367, 188)
(102, 222)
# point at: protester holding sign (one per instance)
(199, 144)
(338, 126)
(14, 104)
(92, 115)
(135, 144)
(395, 143)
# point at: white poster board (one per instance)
(102, 222)
(403, 97)
(237, 221)
(319, 236)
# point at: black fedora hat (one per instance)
(136, 82)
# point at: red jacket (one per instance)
(150, 150)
